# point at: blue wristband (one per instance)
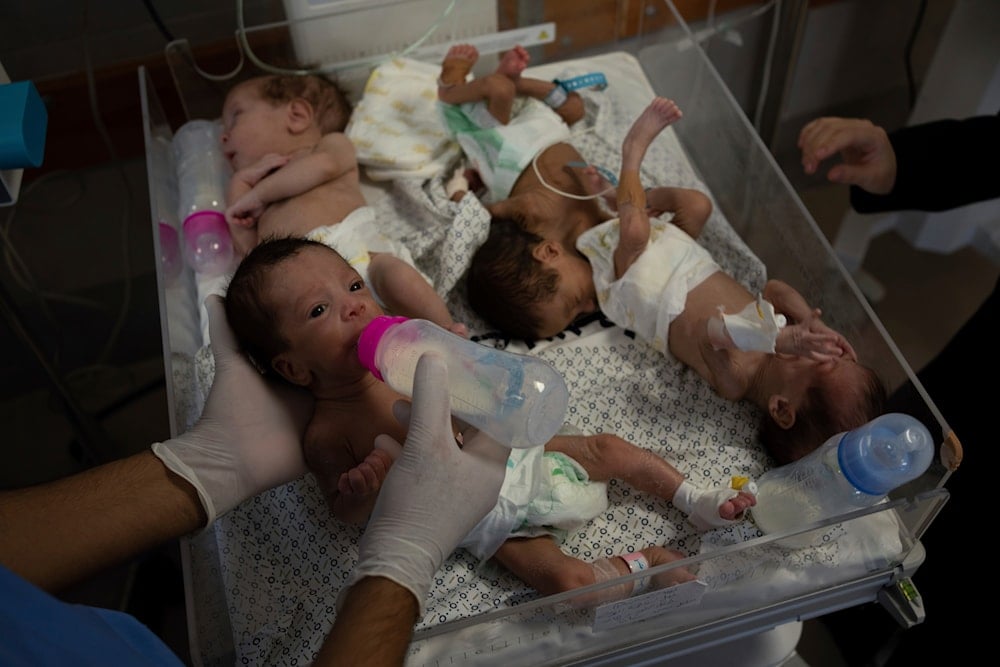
(595, 80)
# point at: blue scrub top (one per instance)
(37, 629)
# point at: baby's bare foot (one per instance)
(458, 62)
(660, 113)
(513, 62)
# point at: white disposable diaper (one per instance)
(499, 153)
(543, 493)
(356, 237)
(653, 291)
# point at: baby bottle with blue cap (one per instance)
(850, 471)
(518, 399)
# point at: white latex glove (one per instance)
(702, 505)
(435, 492)
(249, 436)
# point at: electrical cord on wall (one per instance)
(91, 437)
(126, 204)
(17, 266)
(160, 25)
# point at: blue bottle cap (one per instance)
(885, 453)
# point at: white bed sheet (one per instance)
(279, 559)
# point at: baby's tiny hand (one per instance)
(245, 211)
(367, 477)
(814, 340)
(459, 329)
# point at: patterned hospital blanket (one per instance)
(267, 574)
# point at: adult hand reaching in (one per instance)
(868, 157)
(249, 436)
(435, 492)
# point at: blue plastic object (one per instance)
(851, 470)
(885, 453)
(23, 122)
(595, 80)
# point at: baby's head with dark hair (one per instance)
(505, 282)
(250, 315)
(826, 411)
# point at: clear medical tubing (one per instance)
(518, 399)
(202, 177)
(851, 470)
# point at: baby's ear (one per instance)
(300, 115)
(546, 250)
(287, 368)
(781, 411)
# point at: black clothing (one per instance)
(943, 165)
(939, 166)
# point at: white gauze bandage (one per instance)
(702, 505)
(753, 329)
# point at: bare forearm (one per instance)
(691, 208)
(633, 233)
(61, 532)
(787, 300)
(300, 176)
(373, 627)
(237, 188)
(405, 291)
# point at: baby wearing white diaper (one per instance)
(551, 490)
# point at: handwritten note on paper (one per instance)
(651, 604)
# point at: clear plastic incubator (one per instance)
(261, 582)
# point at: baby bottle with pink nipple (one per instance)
(202, 177)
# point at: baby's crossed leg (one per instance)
(540, 563)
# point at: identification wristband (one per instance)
(556, 97)
(595, 80)
(637, 563)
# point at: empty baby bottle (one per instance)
(518, 399)
(850, 471)
(202, 177)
